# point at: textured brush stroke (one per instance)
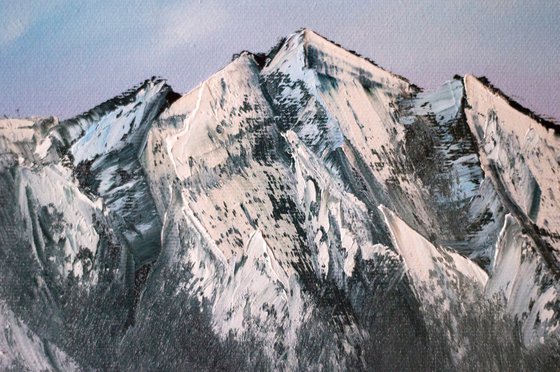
(301, 209)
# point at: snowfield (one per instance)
(302, 209)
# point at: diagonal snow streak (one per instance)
(170, 141)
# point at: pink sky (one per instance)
(64, 57)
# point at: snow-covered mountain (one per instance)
(302, 209)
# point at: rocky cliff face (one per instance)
(300, 209)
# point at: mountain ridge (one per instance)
(299, 209)
(549, 123)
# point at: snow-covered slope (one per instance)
(523, 156)
(521, 278)
(300, 209)
(24, 350)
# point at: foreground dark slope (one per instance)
(303, 209)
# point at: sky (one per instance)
(63, 57)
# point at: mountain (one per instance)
(302, 209)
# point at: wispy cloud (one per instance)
(19, 16)
(12, 30)
(16, 20)
(187, 23)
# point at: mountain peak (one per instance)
(154, 83)
(307, 49)
(483, 86)
(301, 209)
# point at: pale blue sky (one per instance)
(62, 57)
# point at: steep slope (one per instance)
(77, 218)
(521, 154)
(24, 350)
(303, 209)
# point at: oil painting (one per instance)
(362, 185)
